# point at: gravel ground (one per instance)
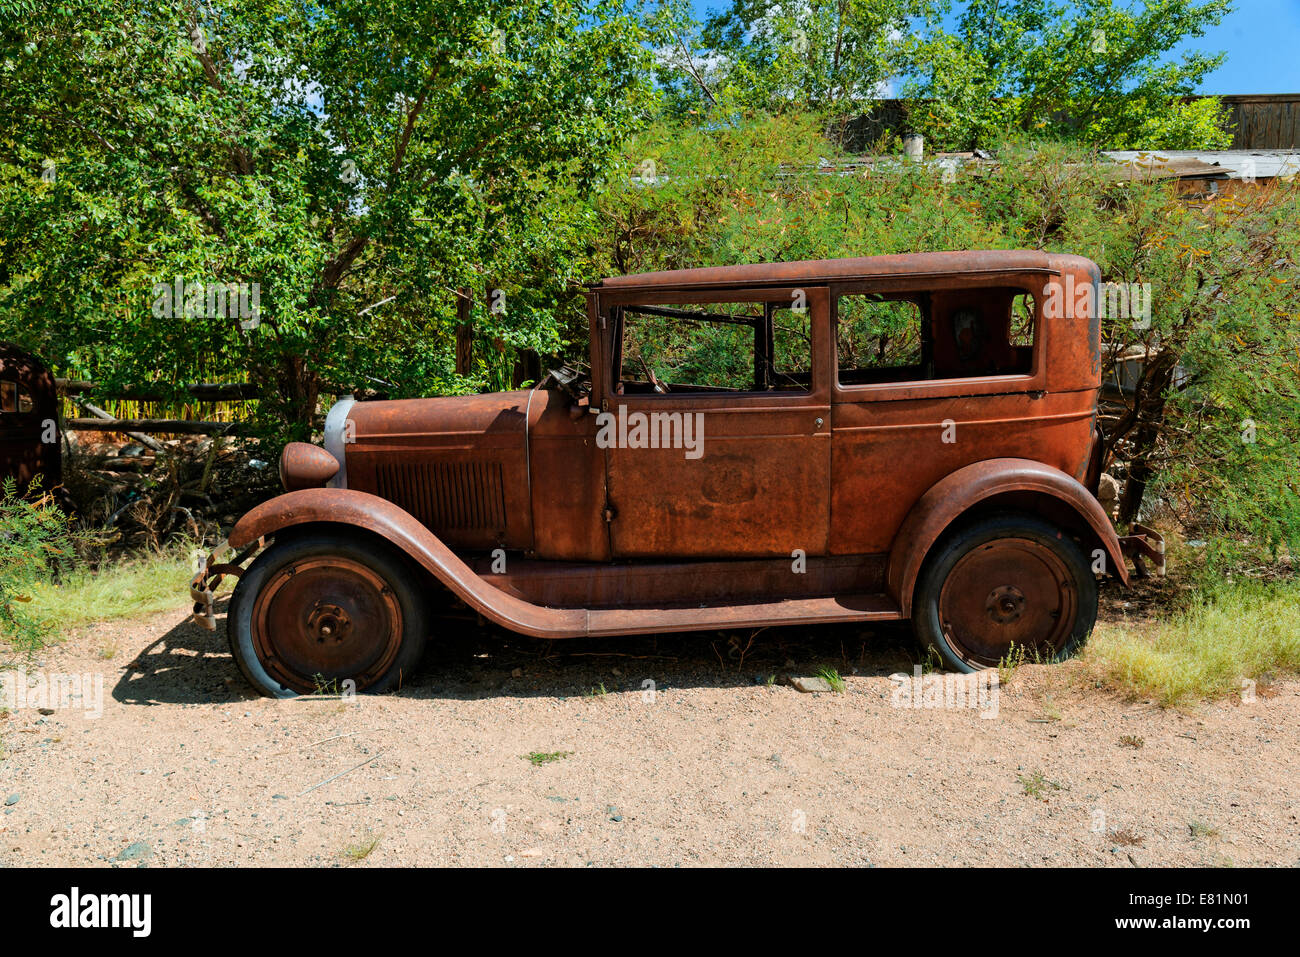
(711, 765)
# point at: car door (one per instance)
(716, 425)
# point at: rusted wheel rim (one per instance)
(326, 620)
(1012, 591)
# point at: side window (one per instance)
(879, 339)
(15, 397)
(940, 334)
(713, 347)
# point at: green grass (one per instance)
(139, 586)
(538, 758)
(1244, 631)
(1200, 829)
(832, 677)
(1007, 665)
(1036, 785)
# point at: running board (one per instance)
(790, 611)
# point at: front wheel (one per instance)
(323, 609)
(1005, 582)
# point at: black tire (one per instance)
(1002, 581)
(359, 601)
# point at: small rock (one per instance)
(517, 673)
(810, 685)
(531, 852)
(1107, 489)
(138, 851)
(12, 799)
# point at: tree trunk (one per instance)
(299, 393)
(1150, 400)
(464, 332)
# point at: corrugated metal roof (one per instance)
(1209, 164)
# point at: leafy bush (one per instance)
(35, 543)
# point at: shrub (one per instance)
(35, 543)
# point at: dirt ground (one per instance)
(709, 765)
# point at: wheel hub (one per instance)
(1005, 604)
(329, 622)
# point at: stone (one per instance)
(138, 851)
(810, 685)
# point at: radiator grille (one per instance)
(450, 495)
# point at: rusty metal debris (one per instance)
(29, 439)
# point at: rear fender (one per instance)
(1023, 484)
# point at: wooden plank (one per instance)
(210, 391)
(172, 426)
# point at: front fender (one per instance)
(967, 487)
(348, 507)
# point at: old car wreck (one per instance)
(884, 438)
(29, 445)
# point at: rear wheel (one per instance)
(317, 611)
(1004, 582)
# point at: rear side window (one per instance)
(879, 340)
(944, 334)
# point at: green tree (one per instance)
(1092, 70)
(1212, 437)
(363, 162)
(821, 55)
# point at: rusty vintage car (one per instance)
(29, 444)
(894, 437)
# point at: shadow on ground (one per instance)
(467, 660)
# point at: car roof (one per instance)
(905, 265)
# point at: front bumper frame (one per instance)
(203, 586)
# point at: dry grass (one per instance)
(143, 585)
(1246, 631)
(359, 850)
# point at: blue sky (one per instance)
(1261, 38)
